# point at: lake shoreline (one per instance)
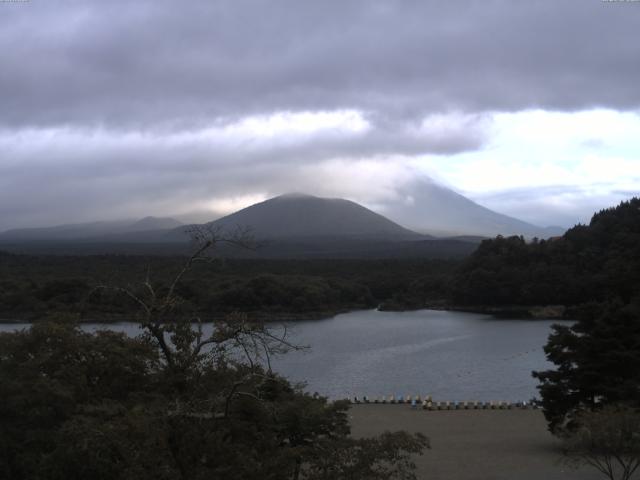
(524, 312)
(531, 312)
(266, 317)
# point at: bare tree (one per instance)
(181, 338)
(608, 440)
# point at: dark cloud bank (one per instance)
(89, 90)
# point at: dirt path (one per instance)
(475, 444)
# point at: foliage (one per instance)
(54, 376)
(589, 263)
(607, 439)
(597, 363)
(595, 270)
(173, 403)
(33, 287)
(387, 457)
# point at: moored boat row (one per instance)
(427, 403)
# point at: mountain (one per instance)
(428, 207)
(154, 223)
(305, 216)
(288, 226)
(89, 231)
(63, 232)
(304, 226)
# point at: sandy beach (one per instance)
(475, 444)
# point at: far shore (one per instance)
(267, 317)
(549, 312)
(474, 444)
(531, 312)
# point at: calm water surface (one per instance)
(449, 355)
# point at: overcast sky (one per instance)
(112, 109)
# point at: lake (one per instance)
(450, 355)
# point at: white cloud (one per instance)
(554, 165)
(340, 122)
(227, 205)
(545, 167)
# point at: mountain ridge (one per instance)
(88, 230)
(428, 207)
(296, 215)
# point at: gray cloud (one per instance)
(159, 64)
(558, 205)
(78, 178)
(74, 174)
(94, 95)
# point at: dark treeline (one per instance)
(595, 271)
(590, 263)
(35, 286)
(597, 358)
(596, 262)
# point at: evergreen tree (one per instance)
(597, 363)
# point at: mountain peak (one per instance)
(293, 196)
(302, 215)
(438, 210)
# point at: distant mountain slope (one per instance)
(154, 223)
(303, 226)
(63, 232)
(298, 215)
(288, 226)
(85, 231)
(430, 208)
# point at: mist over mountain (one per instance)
(85, 231)
(428, 207)
(288, 226)
(298, 225)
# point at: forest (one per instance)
(589, 263)
(33, 287)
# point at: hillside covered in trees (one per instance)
(590, 263)
(594, 262)
(34, 287)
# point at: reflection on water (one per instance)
(449, 355)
